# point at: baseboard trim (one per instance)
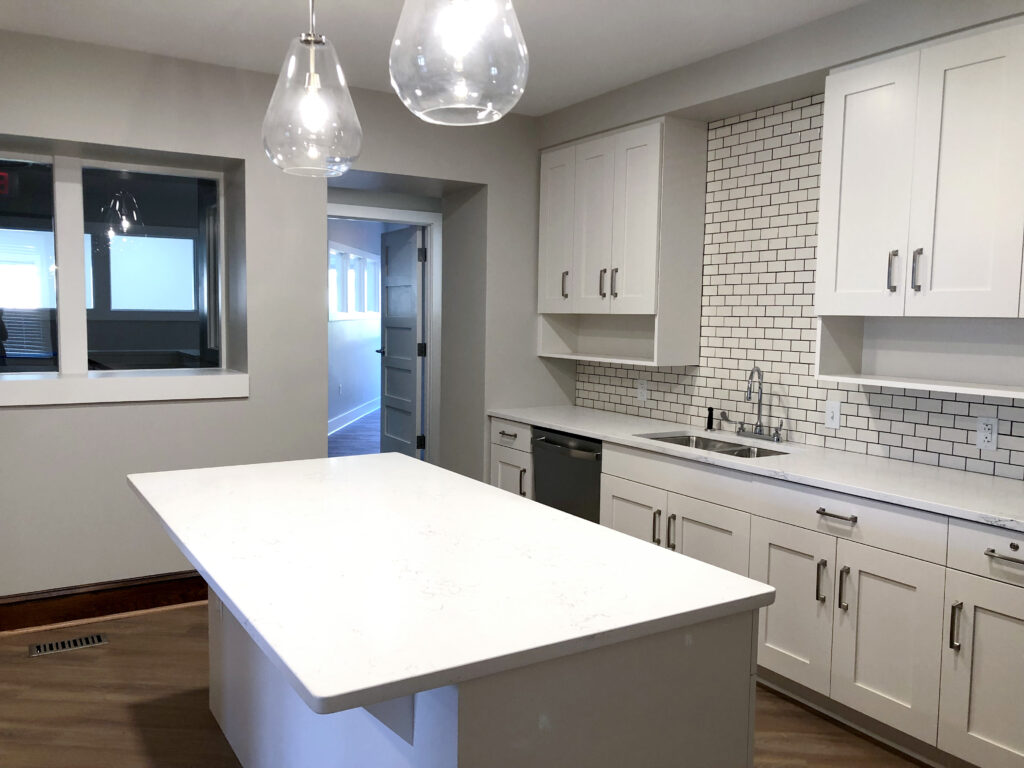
(342, 421)
(89, 601)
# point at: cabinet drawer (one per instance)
(968, 543)
(886, 526)
(511, 434)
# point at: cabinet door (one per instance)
(632, 508)
(967, 217)
(887, 635)
(708, 532)
(795, 632)
(554, 267)
(981, 711)
(866, 171)
(512, 470)
(592, 238)
(633, 279)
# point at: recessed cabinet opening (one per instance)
(621, 338)
(972, 355)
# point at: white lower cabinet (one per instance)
(886, 637)
(512, 470)
(709, 532)
(795, 632)
(633, 508)
(981, 709)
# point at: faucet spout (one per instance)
(759, 426)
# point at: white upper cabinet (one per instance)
(593, 212)
(557, 189)
(867, 156)
(634, 266)
(967, 211)
(922, 182)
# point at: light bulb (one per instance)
(459, 62)
(311, 127)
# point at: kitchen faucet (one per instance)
(758, 427)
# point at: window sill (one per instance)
(25, 389)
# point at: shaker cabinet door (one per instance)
(867, 166)
(512, 470)
(593, 215)
(634, 509)
(967, 216)
(557, 189)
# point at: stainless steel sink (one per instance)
(726, 447)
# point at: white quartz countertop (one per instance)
(965, 495)
(372, 577)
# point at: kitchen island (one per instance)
(379, 611)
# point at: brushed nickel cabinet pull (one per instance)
(510, 435)
(669, 535)
(655, 520)
(822, 565)
(990, 552)
(565, 278)
(522, 483)
(600, 284)
(852, 519)
(615, 290)
(955, 611)
(889, 283)
(918, 253)
(843, 573)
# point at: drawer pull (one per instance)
(990, 552)
(822, 565)
(522, 481)
(655, 520)
(843, 573)
(954, 625)
(851, 519)
(509, 435)
(669, 536)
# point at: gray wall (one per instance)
(785, 66)
(66, 514)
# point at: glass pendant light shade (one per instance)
(311, 127)
(459, 62)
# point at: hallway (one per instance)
(360, 437)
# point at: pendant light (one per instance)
(311, 127)
(458, 62)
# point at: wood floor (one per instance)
(141, 701)
(359, 437)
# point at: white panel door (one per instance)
(795, 632)
(967, 217)
(512, 470)
(633, 280)
(887, 636)
(635, 509)
(557, 186)
(401, 369)
(866, 171)
(981, 712)
(592, 234)
(709, 532)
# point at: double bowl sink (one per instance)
(714, 445)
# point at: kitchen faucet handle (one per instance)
(777, 434)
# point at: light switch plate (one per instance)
(987, 436)
(641, 390)
(832, 409)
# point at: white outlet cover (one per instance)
(987, 436)
(641, 390)
(832, 410)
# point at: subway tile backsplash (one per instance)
(760, 235)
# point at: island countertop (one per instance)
(372, 577)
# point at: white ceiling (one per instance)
(578, 48)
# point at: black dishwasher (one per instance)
(567, 473)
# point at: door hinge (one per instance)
(421, 442)
(421, 253)
(421, 349)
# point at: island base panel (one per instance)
(682, 697)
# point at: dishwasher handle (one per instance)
(575, 453)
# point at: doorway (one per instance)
(383, 331)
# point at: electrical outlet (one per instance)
(641, 390)
(832, 410)
(987, 436)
